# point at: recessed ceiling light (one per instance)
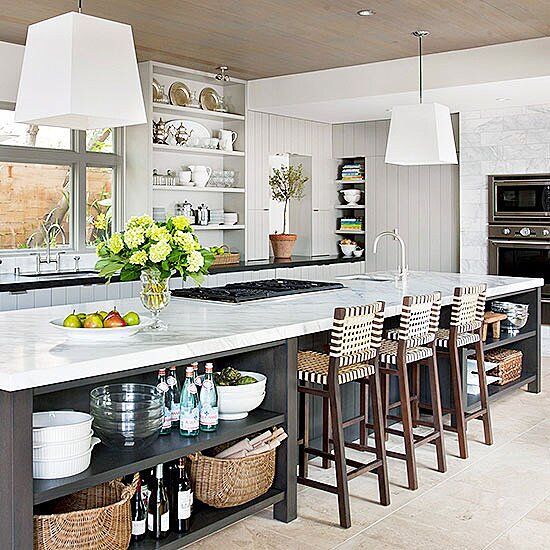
(366, 13)
(503, 99)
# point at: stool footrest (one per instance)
(318, 485)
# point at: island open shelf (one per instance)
(110, 463)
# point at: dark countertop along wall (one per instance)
(10, 282)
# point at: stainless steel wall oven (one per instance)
(519, 229)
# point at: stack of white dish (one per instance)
(216, 217)
(230, 218)
(62, 443)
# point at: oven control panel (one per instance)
(517, 231)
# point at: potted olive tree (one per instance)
(286, 183)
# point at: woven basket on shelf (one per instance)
(227, 482)
(509, 364)
(227, 257)
(97, 518)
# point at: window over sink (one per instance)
(55, 175)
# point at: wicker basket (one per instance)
(227, 257)
(509, 364)
(97, 518)
(223, 483)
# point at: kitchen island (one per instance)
(40, 370)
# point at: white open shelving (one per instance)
(196, 150)
(191, 189)
(145, 156)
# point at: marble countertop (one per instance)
(36, 354)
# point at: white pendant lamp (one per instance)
(80, 72)
(421, 134)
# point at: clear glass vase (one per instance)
(155, 296)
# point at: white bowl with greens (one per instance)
(237, 400)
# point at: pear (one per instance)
(82, 316)
(114, 320)
(103, 314)
(132, 319)
(93, 321)
(72, 321)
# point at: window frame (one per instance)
(78, 158)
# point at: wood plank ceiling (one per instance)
(260, 38)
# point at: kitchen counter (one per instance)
(41, 371)
(36, 353)
(16, 283)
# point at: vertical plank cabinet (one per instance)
(421, 201)
(270, 135)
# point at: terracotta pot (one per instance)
(282, 244)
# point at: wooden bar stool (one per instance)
(354, 341)
(414, 344)
(465, 330)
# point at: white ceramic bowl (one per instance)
(65, 449)
(358, 252)
(57, 468)
(348, 249)
(351, 196)
(235, 402)
(100, 334)
(60, 426)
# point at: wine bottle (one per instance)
(158, 510)
(172, 382)
(164, 388)
(184, 500)
(139, 514)
(147, 477)
(189, 406)
(208, 401)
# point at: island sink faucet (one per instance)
(48, 259)
(403, 268)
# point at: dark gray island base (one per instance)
(275, 359)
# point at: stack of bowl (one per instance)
(516, 315)
(127, 416)
(62, 443)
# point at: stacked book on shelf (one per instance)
(351, 224)
(353, 172)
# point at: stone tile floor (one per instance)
(498, 499)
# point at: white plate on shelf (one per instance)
(100, 334)
(200, 131)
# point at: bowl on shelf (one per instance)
(516, 315)
(54, 468)
(59, 426)
(235, 402)
(351, 196)
(127, 415)
(230, 218)
(358, 252)
(348, 249)
(63, 449)
(100, 334)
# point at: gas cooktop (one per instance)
(254, 290)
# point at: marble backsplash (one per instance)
(513, 140)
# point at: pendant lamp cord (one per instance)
(79, 6)
(420, 65)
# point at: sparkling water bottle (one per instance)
(164, 388)
(208, 401)
(189, 406)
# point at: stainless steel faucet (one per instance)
(403, 268)
(48, 258)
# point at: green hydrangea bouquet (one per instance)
(166, 248)
(153, 252)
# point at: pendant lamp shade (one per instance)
(421, 134)
(80, 72)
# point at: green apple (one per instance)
(132, 319)
(72, 321)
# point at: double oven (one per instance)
(519, 229)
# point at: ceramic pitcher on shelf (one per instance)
(227, 139)
(200, 174)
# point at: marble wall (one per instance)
(513, 140)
